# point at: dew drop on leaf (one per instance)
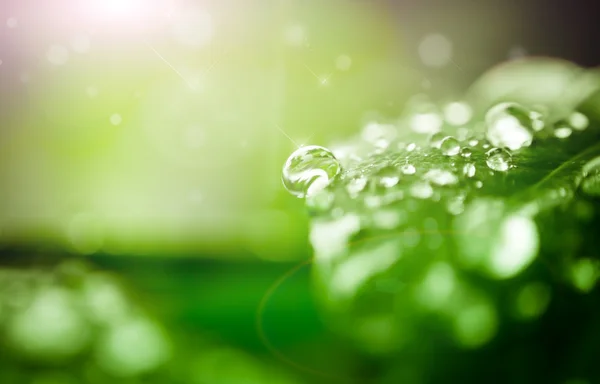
(408, 169)
(450, 146)
(498, 159)
(309, 169)
(510, 125)
(591, 177)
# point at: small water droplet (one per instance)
(441, 177)
(309, 169)
(591, 177)
(387, 177)
(421, 190)
(450, 146)
(579, 121)
(472, 141)
(466, 152)
(469, 170)
(562, 130)
(355, 186)
(478, 184)
(411, 147)
(499, 159)
(408, 169)
(510, 125)
(435, 140)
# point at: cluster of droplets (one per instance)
(381, 160)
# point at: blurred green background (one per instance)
(143, 222)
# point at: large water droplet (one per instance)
(450, 146)
(309, 169)
(591, 177)
(499, 159)
(510, 125)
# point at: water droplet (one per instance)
(421, 190)
(469, 170)
(472, 141)
(408, 169)
(426, 121)
(411, 147)
(478, 184)
(57, 55)
(355, 186)
(387, 177)
(11, 22)
(450, 146)
(320, 202)
(591, 177)
(562, 130)
(343, 62)
(499, 159)
(435, 140)
(579, 121)
(116, 119)
(456, 205)
(510, 125)
(435, 50)
(466, 152)
(457, 113)
(309, 169)
(441, 177)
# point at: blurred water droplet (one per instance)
(408, 169)
(320, 202)
(435, 140)
(11, 22)
(421, 190)
(426, 121)
(411, 147)
(441, 177)
(591, 177)
(116, 119)
(478, 184)
(343, 62)
(456, 205)
(469, 170)
(472, 141)
(457, 113)
(509, 125)
(579, 121)
(450, 146)
(498, 159)
(387, 177)
(466, 152)
(57, 55)
(355, 186)
(562, 131)
(435, 50)
(309, 169)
